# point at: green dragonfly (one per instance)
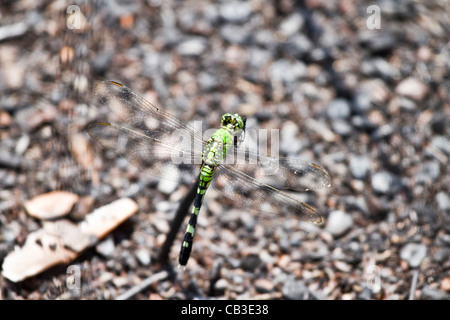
(162, 145)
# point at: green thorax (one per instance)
(223, 139)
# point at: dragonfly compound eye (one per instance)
(227, 119)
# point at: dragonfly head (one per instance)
(234, 123)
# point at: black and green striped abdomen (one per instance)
(186, 246)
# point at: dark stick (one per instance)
(182, 212)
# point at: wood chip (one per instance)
(71, 235)
(62, 241)
(40, 252)
(51, 205)
(100, 222)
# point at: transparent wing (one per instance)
(150, 138)
(281, 173)
(138, 113)
(158, 158)
(262, 183)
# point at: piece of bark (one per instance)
(51, 205)
(62, 241)
(40, 252)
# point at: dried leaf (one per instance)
(51, 205)
(61, 241)
(40, 252)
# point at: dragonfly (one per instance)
(162, 145)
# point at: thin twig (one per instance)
(413, 284)
(143, 285)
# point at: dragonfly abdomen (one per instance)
(186, 246)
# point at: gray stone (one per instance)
(338, 109)
(250, 262)
(143, 256)
(192, 47)
(378, 42)
(286, 71)
(235, 11)
(412, 88)
(291, 25)
(362, 101)
(297, 46)
(221, 285)
(359, 166)
(384, 182)
(235, 34)
(429, 293)
(413, 253)
(441, 143)
(290, 144)
(429, 172)
(169, 185)
(264, 285)
(338, 222)
(294, 290)
(341, 127)
(443, 201)
(10, 231)
(106, 247)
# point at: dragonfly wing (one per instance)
(282, 173)
(254, 194)
(162, 157)
(138, 113)
(150, 139)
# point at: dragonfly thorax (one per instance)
(217, 147)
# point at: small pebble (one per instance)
(341, 127)
(143, 256)
(292, 24)
(442, 143)
(221, 285)
(168, 186)
(235, 11)
(413, 253)
(379, 42)
(287, 71)
(338, 109)
(10, 231)
(384, 182)
(250, 263)
(290, 143)
(294, 290)
(338, 222)
(359, 166)
(445, 284)
(429, 293)
(264, 285)
(429, 172)
(443, 201)
(412, 88)
(106, 247)
(192, 47)
(22, 144)
(235, 34)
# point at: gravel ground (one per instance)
(371, 106)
